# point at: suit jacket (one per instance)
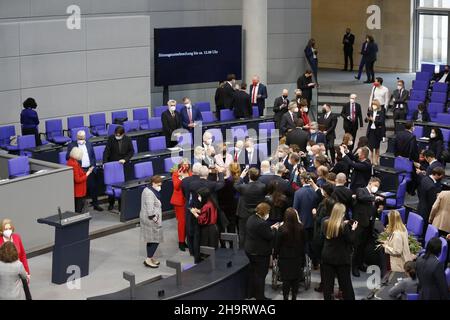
(218, 97)
(432, 282)
(90, 150)
(262, 91)
(228, 92)
(439, 215)
(348, 45)
(251, 194)
(343, 195)
(196, 116)
(302, 84)
(437, 146)
(400, 101)
(425, 116)
(347, 112)
(362, 172)
(186, 187)
(430, 168)
(370, 51)
(338, 251)
(287, 123)
(329, 125)
(112, 152)
(318, 137)
(427, 192)
(380, 126)
(439, 75)
(309, 54)
(279, 109)
(258, 236)
(170, 124)
(299, 137)
(242, 104)
(197, 184)
(364, 208)
(406, 146)
(283, 184)
(306, 199)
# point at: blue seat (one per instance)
(432, 232)
(74, 131)
(62, 157)
(132, 125)
(440, 87)
(420, 85)
(185, 140)
(412, 106)
(97, 123)
(98, 151)
(418, 131)
(435, 108)
(438, 97)
(155, 123)
(113, 173)
(418, 95)
(135, 147)
(122, 114)
(171, 163)
(6, 133)
(141, 115)
(426, 67)
(157, 143)
(399, 200)
(226, 115)
(54, 131)
(26, 142)
(18, 167)
(385, 215)
(208, 117)
(75, 122)
(203, 106)
(412, 296)
(443, 118)
(414, 225)
(447, 276)
(446, 135)
(255, 112)
(112, 128)
(424, 76)
(406, 165)
(444, 251)
(157, 111)
(143, 170)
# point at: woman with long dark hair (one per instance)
(436, 143)
(290, 251)
(278, 202)
(311, 56)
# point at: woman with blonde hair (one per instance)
(336, 253)
(348, 141)
(8, 234)
(397, 245)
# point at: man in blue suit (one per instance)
(258, 94)
(190, 114)
(315, 135)
(87, 161)
(305, 200)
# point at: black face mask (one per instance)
(299, 95)
(285, 97)
(446, 70)
(324, 110)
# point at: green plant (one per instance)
(414, 246)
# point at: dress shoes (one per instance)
(150, 265)
(182, 246)
(98, 208)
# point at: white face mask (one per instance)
(7, 233)
(157, 188)
(308, 148)
(199, 198)
(172, 109)
(399, 88)
(280, 155)
(295, 110)
(374, 189)
(266, 217)
(305, 110)
(352, 100)
(188, 105)
(313, 131)
(81, 142)
(432, 135)
(119, 137)
(350, 143)
(310, 153)
(208, 141)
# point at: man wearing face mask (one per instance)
(380, 93)
(348, 41)
(190, 115)
(119, 147)
(352, 115)
(258, 93)
(443, 76)
(399, 100)
(289, 118)
(364, 212)
(280, 107)
(251, 154)
(87, 162)
(306, 84)
(298, 136)
(228, 91)
(329, 122)
(315, 135)
(171, 121)
(242, 104)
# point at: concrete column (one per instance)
(254, 18)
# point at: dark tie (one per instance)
(353, 112)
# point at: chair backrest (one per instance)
(446, 134)
(412, 296)
(135, 147)
(447, 276)
(122, 114)
(412, 106)
(418, 131)
(400, 195)
(444, 251)
(97, 120)
(154, 123)
(440, 87)
(143, 170)
(435, 108)
(420, 85)
(75, 122)
(62, 157)
(438, 97)
(157, 143)
(157, 111)
(255, 112)
(385, 215)
(216, 135)
(185, 139)
(431, 232)
(140, 114)
(18, 167)
(424, 76)
(98, 150)
(112, 128)
(132, 125)
(53, 128)
(414, 225)
(203, 106)
(25, 142)
(208, 117)
(74, 131)
(113, 173)
(427, 67)
(6, 133)
(170, 162)
(403, 164)
(418, 95)
(443, 118)
(239, 132)
(226, 115)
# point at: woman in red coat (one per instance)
(8, 234)
(178, 201)
(79, 177)
(303, 114)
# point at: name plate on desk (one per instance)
(76, 218)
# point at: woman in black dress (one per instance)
(375, 130)
(436, 143)
(290, 251)
(278, 203)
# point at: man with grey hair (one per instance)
(171, 121)
(352, 115)
(289, 119)
(88, 161)
(258, 93)
(280, 107)
(315, 135)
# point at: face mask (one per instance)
(352, 100)
(157, 188)
(119, 138)
(305, 110)
(172, 109)
(299, 95)
(350, 143)
(208, 141)
(399, 88)
(374, 108)
(280, 155)
(199, 199)
(374, 189)
(250, 149)
(376, 84)
(7, 233)
(432, 135)
(295, 110)
(266, 217)
(81, 142)
(285, 97)
(188, 105)
(310, 153)
(308, 148)
(313, 131)
(324, 110)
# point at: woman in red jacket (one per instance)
(8, 234)
(303, 114)
(178, 201)
(79, 177)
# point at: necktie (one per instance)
(292, 116)
(254, 95)
(190, 115)
(353, 112)
(235, 156)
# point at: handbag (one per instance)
(26, 288)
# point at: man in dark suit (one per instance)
(348, 41)
(88, 161)
(289, 118)
(364, 211)
(280, 107)
(406, 144)
(400, 103)
(228, 92)
(428, 190)
(305, 200)
(352, 115)
(218, 98)
(258, 93)
(362, 168)
(298, 136)
(190, 115)
(118, 148)
(242, 105)
(251, 194)
(306, 84)
(329, 122)
(251, 154)
(277, 177)
(421, 114)
(171, 121)
(315, 135)
(430, 157)
(443, 76)
(341, 193)
(370, 50)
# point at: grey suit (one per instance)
(11, 287)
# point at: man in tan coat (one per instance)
(440, 213)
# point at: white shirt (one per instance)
(444, 77)
(374, 115)
(327, 115)
(381, 94)
(85, 162)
